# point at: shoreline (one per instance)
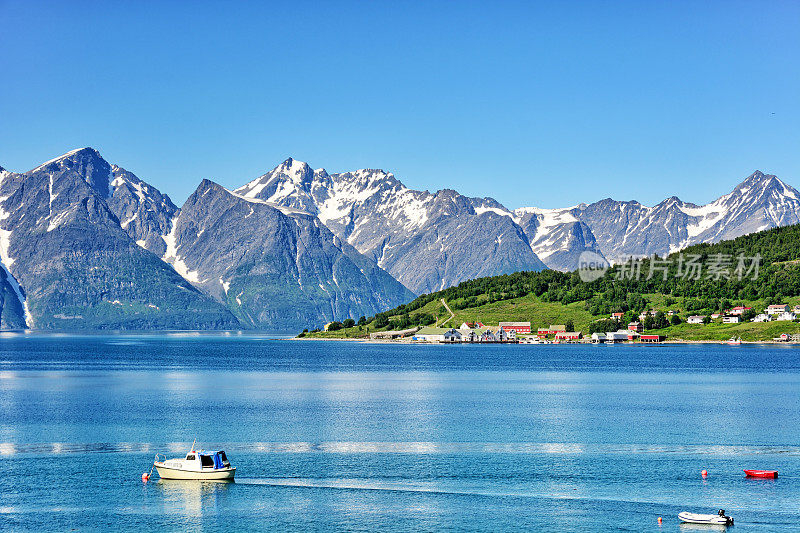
(422, 343)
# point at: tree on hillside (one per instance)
(675, 320)
(569, 325)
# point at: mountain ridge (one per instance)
(612, 228)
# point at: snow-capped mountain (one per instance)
(74, 264)
(86, 244)
(624, 229)
(426, 241)
(434, 240)
(274, 266)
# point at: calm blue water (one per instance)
(365, 437)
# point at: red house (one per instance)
(651, 338)
(636, 326)
(519, 327)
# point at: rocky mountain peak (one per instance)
(86, 163)
(298, 171)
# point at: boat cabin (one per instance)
(202, 459)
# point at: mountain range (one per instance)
(85, 244)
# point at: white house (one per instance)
(763, 317)
(617, 336)
(452, 335)
(786, 316)
(776, 309)
(695, 319)
(597, 338)
(488, 336)
(733, 319)
(430, 335)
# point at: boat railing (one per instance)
(160, 455)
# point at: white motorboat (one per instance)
(201, 465)
(719, 519)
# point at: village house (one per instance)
(553, 330)
(636, 326)
(763, 317)
(786, 316)
(519, 327)
(452, 335)
(796, 309)
(714, 316)
(470, 325)
(569, 335)
(776, 309)
(695, 319)
(618, 316)
(633, 335)
(731, 319)
(598, 338)
(430, 334)
(672, 312)
(488, 336)
(501, 335)
(651, 338)
(738, 310)
(617, 336)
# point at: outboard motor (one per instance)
(728, 519)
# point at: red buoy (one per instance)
(659, 519)
(704, 473)
(145, 477)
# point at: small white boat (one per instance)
(719, 519)
(734, 341)
(202, 465)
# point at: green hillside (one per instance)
(726, 278)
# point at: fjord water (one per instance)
(354, 436)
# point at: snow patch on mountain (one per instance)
(171, 255)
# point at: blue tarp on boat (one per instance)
(215, 456)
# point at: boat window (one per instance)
(206, 460)
(190, 457)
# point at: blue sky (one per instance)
(532, 103)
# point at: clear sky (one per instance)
(533, 103)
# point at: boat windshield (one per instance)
(223, 457)
(206, 461)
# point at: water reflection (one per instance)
(193, 499)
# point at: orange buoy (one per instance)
(704, 473)
(145, 477)
(659, 519)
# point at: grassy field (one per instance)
(748, 331)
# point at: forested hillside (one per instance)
(763, 266)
